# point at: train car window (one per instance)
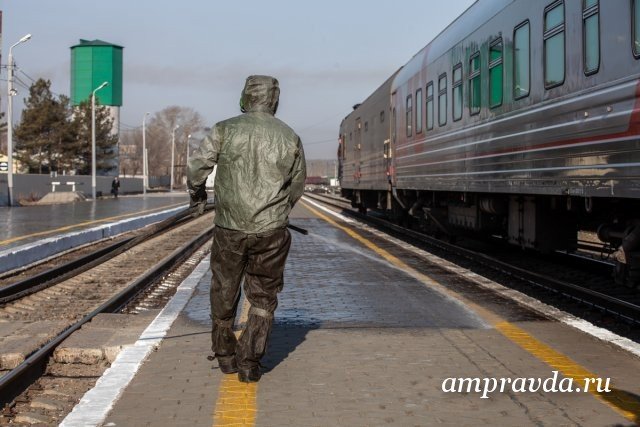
(496, 73)
(430, 106)
(382, 116)
(457, 92)
(442, 99)
(591, 36)
(521, 60)
(636, 28)
(419, 111)
(366, 126)
(409, 114)
(554, 45)
(474, 84)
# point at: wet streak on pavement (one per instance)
(333, 282)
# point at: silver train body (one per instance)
(522, 118)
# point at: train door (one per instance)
(390, 142)
(357, 146)
(389, 150)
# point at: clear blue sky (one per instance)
(328, 55)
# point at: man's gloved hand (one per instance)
(198, 202)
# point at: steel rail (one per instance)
(64, 272)
(599, 300)
(25, 374)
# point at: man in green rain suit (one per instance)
(260, 176)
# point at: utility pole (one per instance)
(173, 146)
(93, 139)
(11, 93)
(145, 172)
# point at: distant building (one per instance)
(324, 168)
(94, 62)
(316, 180)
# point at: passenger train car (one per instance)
(521, 119)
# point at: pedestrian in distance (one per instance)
(260, 177)
(115, 187)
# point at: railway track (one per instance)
(49, 307)
(571, 288)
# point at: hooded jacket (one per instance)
(261, 166)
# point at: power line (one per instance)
(32, 80)
(26, 75)
(20, 82)
(129, 126)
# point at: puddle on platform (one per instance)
(198, 308)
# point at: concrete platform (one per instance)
(102, 339)
(31, 233)
(365, 337)
(60, 197)
(18, 339)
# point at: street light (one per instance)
(11, 93)
(186, 167)
(93, 139)
(173, 145)
(145, 178)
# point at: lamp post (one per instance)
(173, 145)
(145, 178)
(11, 93)
(186, 163)
(93, 139)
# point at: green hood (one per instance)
(260, 94)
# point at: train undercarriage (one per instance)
(543, 223)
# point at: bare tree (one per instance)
(131, 152)
(159, 135)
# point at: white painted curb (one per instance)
(96, 404)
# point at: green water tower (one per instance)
(92, 63)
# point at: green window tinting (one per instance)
(419, 111)
(591, 36)
(474, 84)
(430, 106)
(554, 46)
(521, 61)
(636, 27)
(496, 72)
(457, 92)
(409, 115)
(442, 100)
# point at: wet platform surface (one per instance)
(359, 342)
(28, 224)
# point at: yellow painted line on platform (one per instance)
(236, 404)
(621, 402)
(97, 221)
